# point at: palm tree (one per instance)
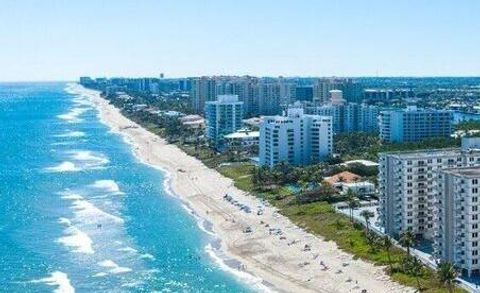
(372, 241)
(416, 269)
(447, 273)
(407, 240)
(387, 244)
(283, 168)
(352, 202)
(366, 214)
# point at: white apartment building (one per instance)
(457, 217)
(296, 138)
(242, 139)
(407, 185)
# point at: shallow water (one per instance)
(78, 212)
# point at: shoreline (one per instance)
(278, 264)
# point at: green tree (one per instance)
(407, 240)
(352, 201)
(387, 245)
(415, 268)
(447, 273)
(373, 241)
(367, 215)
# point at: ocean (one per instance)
(80, 213)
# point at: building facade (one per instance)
(268, 95)
(350, 117)
(412, 124)
(407, 182)
(203, 89)
(351, 89)
(223, 116)
(458, 218)
(297, 138)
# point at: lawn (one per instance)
(241, 173)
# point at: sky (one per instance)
(62, 40)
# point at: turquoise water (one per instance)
(79, 212)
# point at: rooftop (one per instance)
(363, 162)
(344, 176)
(243, 133)
(254, 121)
(424, 153)
(191, 118)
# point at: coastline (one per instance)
(266, 260)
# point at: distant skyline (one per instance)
(62, 40)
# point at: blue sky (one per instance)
(61, 40)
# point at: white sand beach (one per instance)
(280, 262)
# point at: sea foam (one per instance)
(86, 211)
(82, 160)
(88, 159)
(73, 115)
(59, 280)
(113, 267)
(76, 239)
(109, 186)
(65, 166)
(71, 134)
(251, 280)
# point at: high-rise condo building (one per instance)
(242, 86)
(304, 93)
(352, 90)
(268, 98)
(414, 124)
(336, 97)
(203, 89)
(223, 116)
(457, 217)
(350, 117)
(296, 138)
(368, 118)
(386, 95)
(407, 182)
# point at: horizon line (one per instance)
(244, 75)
